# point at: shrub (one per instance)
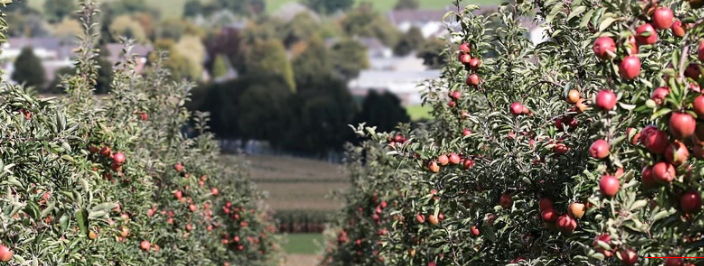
(580, 150)
(95, 183)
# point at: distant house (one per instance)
(407, 63)
(403, 84)
(55, 53)
(428, 21)
(375, 49)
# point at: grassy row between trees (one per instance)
(118, 182)
(584, 149)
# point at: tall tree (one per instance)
(383, 111)
(57, 10)
(311, 63)
(409, 42)
(431, 53)
(406, 4)
(269, 56)
(328, 6)
(29, 69)
(301, 27)
(363, 21)
(348, 58)
(227, 42)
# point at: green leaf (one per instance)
(576, 12)
(82, 219)
(606, 23)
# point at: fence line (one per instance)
(256, 147)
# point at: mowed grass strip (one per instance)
(302, 196)
(304, 243)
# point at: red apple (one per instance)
(659, 95)
(516, 109)
(698, 106)
(443, 160)
(420, 218)
(628, 256)
(566, 224)
(454, 158)
(473, 80)
(145, 245)
(118, 158)
(475, 63)
(629, 68)
(599, 149)
(664, 172)
(214, 191)
(663, 18)
(691, 202)
(178, 194)
(549, 215)
(682, 125)
(456, 95)
(433, 167)
(603, 46)
(505, 201)
(178, 167)
(693, 71)
(676, 153)
(654, 139)
(674, 262)
(678, 29)
(465, 58)
(576, 210)
(545, 203)
(475, 231)
(605, 100)
(5, 253)
(466, 132)
(468, 163)
(647, 178)
(464, 48)
(644, 30)
(609, 185)
(451, 104)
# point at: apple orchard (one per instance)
(116, 182)
(584, 149)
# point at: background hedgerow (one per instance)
(118, 181)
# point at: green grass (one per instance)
(418, 112)
(304, 243)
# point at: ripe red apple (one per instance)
(452, 104)
(678, 29)
(454, 158)
(118, 158)
(420, 218)
(178, 167)
(629, 68)
(516, 109)
(468, 163)
(606, 239)
(549, 215)
(654, 139)
(105, 151)
(473, 80)
(603, 46)
(465, 58)
(178, 194)
(505, 201)
(455, 95)
(214, 191)
(643, 30)
(475, 230)
(682, 125)
(628, 256)
(560, 148)
(433, 167)
(466, 132)
(192, 207)
(659, 95)
(464, 48)
(692, 71)
(676, 153)
(5, 253)
(443, 160)
(663, 172)
(691, 202)
(609, 185)
(698, 106)
(475, 63)
(145, 245)
(647, 178)
(432, 219)
(674, 262)
(566, 224)
(576, 210)
(143, 116)
(545, 203)
(599, 149)
(605, 100)
(663, 18)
